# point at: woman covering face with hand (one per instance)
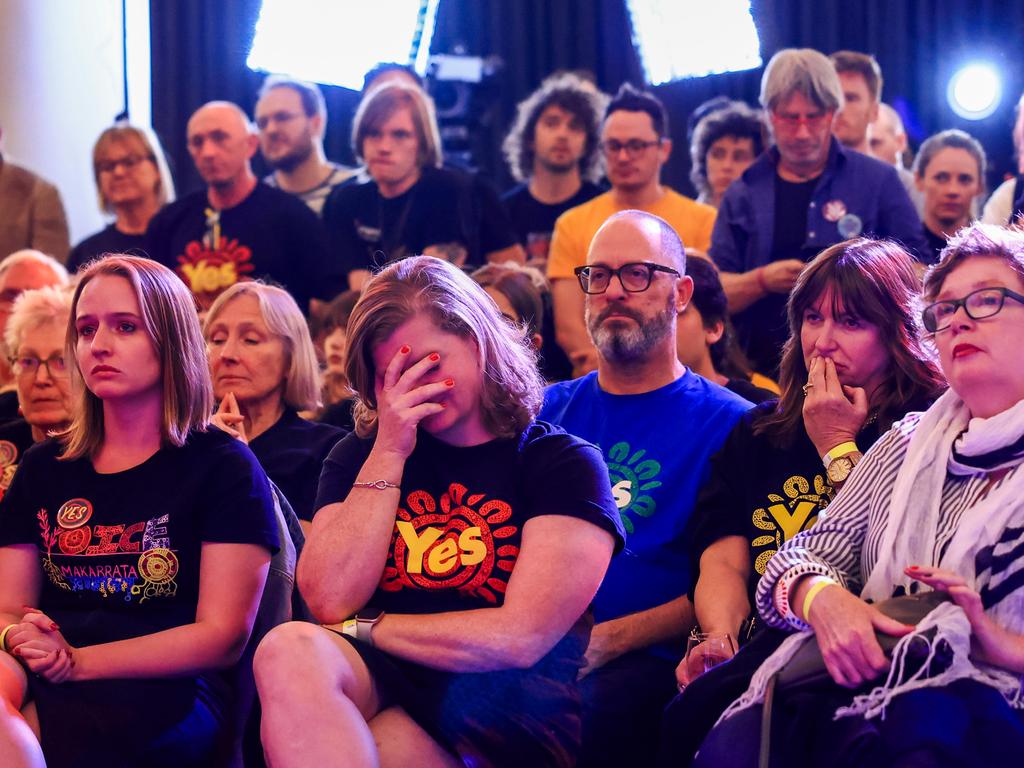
(852, 366)
(937, 503)
(457, 546)
(134, 549)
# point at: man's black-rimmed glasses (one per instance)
(636, 276)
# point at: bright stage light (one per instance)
(974, 91)
(338, 42)
(693, 38)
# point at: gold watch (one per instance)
(840, 467)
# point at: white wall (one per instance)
(61, 84)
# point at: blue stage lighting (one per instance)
(974, 91)
(338, 42)
(693, 38)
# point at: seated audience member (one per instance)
(409, 204)
(725, 142)
(657, 424)
(552, 151)
(141, 540)
(21, 271)
(292, 118)
(635, 143)
(805, 193)
(331, 339)
(950, 173)
(264, 371)
(35, 335)
(888, 143)
(860, 78)
(518, 292)
(134, 183)
(465, 540)
(705, 341)
(853, 364)
(238, 228)
(1000, 207)
(31, 213)
(937, 503)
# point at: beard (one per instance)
(556, 167)
(293, 159)
(631, 344)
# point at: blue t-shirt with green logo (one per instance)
(657, 446)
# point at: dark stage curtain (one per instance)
(199, 51)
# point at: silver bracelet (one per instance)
(377, 485)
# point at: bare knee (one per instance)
(296, 656)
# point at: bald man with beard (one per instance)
(238, 228)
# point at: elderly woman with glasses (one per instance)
(35, 335)
(936, 504)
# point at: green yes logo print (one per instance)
(632, 479)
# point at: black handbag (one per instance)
(806, 671)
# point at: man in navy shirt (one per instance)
(657, 424)
(803, 194)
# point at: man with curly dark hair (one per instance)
(552, 151)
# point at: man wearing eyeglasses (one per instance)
(635, 144)
(291, 118)
(803, 194)
(657, 423)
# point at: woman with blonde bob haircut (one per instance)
(441, 549)
(134, 550)
(264, 371)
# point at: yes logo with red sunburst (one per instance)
(455, 543)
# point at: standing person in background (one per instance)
(133, 183)
(409, 204)
(888, 143)
(635, 143)
(861, 80)
(31, 213)
(237, 228)
(950, 173)
(805, 193)
(552, 151)
(725, 142)
(291, 118)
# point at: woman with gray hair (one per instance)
(265, 371)
(133, 183)
(35, 337)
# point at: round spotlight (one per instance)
(974, 91)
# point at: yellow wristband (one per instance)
(840, 450)
(3, 636)
(812, 593)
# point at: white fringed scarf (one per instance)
(990, 535)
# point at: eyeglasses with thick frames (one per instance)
(28, 365)
(979, 304)
(635, 277)
(128, 162)
(633, 147)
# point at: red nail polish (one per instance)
(442, 405)
(449, 382)
(434, 357)
(53, 626)
(406, 349)
(914, 567)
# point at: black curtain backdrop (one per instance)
(199, 51)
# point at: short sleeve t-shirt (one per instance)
(292, 452)
(120, 558)
(534, 221)
(657, 446)
(317, 196)
(763, 491)
(575, 228)
(460, 520)
(108, 240)
(270, 234)
(444, 207)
